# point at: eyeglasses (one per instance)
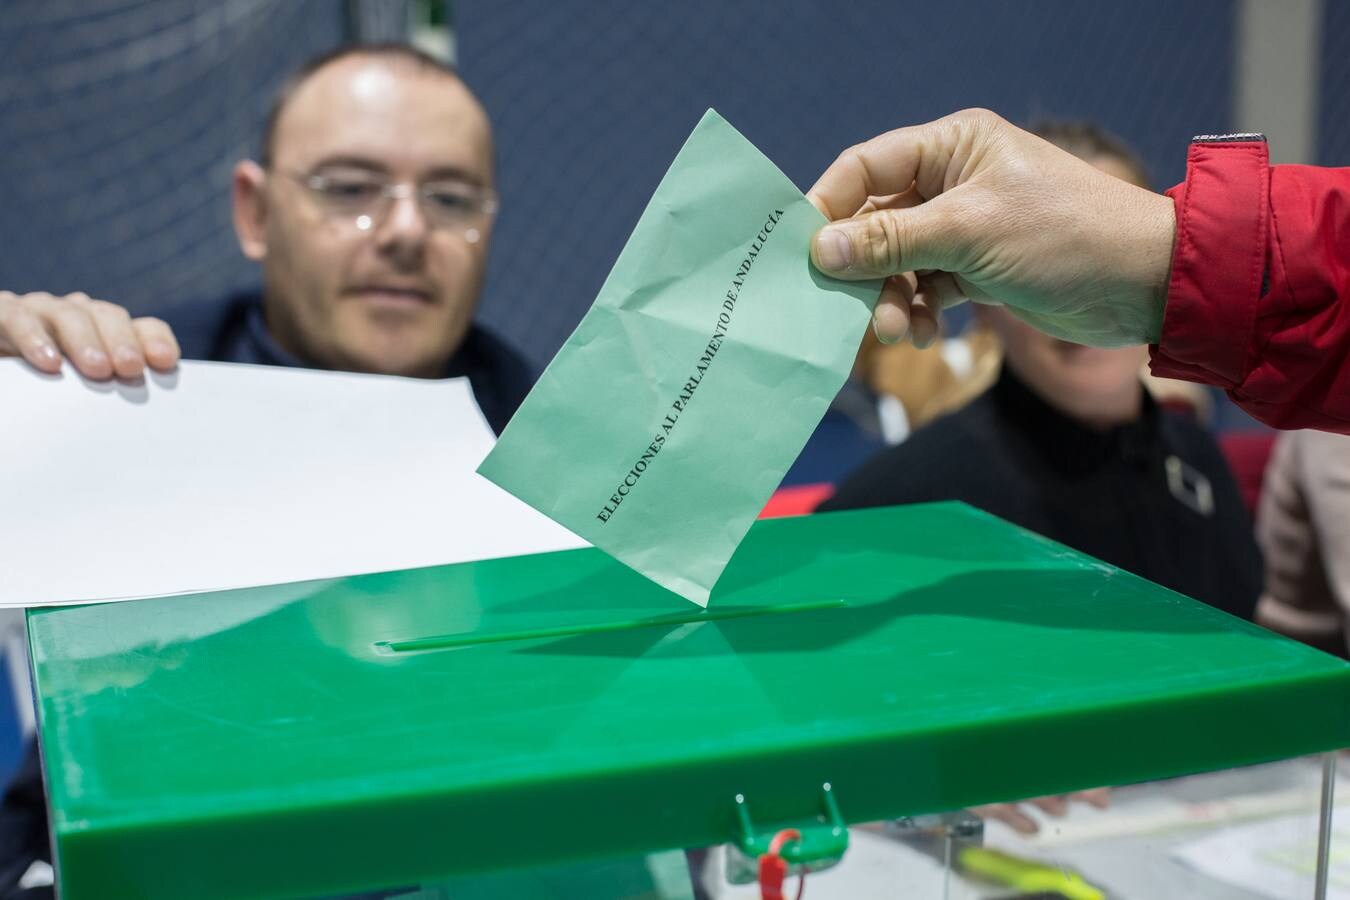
(365, 201)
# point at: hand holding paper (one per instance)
(712, 352)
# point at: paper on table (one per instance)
(220, 476)
(1275, 858)
(712, 352)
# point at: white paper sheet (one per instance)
(220, 476)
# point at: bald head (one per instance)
(396, 55)
(364, 99)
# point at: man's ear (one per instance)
(249, 197)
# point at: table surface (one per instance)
(407, 726)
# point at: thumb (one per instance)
(891, 241)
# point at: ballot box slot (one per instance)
(470, 639)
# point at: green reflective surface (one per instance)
(389, 729)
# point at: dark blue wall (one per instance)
(1333, 121)
(120, 122)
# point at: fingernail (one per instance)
(47, 354)
(94, 357)
(876, 329)
(880, 331)
(125, 356)
(923, 334)
(834, 251)
(158, 348)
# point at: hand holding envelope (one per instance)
(713, 350)
(983, 210)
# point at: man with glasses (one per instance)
(369, 211)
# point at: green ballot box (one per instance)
(405, 728)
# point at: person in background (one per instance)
(1303, 525)
(370, 210)
(1068, 443)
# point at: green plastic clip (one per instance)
(823, 839)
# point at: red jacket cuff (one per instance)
(1218, 263)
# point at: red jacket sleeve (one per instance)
(1259, 297)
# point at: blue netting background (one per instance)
(120, 122)
(1333, 120)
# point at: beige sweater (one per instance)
(1303, 526)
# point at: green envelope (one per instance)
(673, 411)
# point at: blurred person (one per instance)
(1303, 526)
(1068, 443)
(929, 385)
(1239, 277)
(370, 211)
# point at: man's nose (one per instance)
(405, 228)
